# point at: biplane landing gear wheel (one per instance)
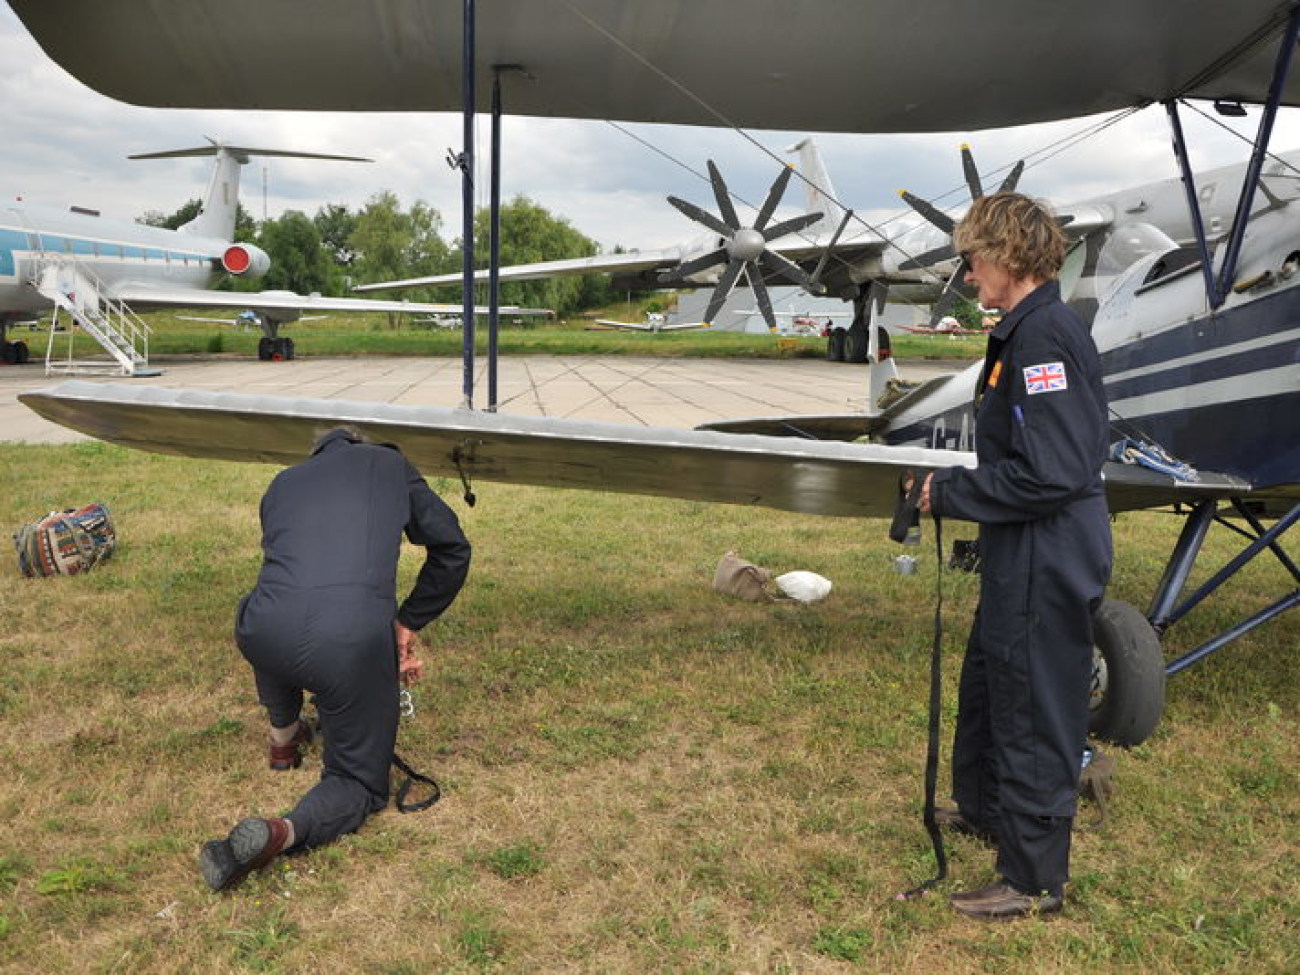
(1128, 675)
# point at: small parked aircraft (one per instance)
(99, 271)
(1199, 343)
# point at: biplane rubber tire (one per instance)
(835, 345)
(1128, 682)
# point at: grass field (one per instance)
(640, 775)
(373, 335)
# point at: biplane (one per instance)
(1199, 341)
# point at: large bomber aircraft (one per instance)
(98, 270)
(1199, 343)
(826, 250)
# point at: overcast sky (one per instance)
(65, 144)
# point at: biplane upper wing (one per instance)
(913, 67)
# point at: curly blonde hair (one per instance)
(1014, 232)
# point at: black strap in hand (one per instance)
(932, 746)
(907, 510)
(412, 777)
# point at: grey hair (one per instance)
(322, 434)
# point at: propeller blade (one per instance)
(787, 269)
(972, 173)
(723, 290)
(949, 296)
(773, 198)
(927, 210)
(702, 216)
(761, 296)
(793, 225)
(683, 271)
(928, 259)
(720, 194)
(1013, 178)
(724, 206)
(830, 249)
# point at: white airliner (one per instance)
(99, 271)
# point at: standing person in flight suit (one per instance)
(324, 618)
(1041, 435)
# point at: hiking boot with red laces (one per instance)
(251, 845)
(287, 756)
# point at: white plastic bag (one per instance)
(807, 587)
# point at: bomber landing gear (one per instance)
(275, 350)
(1128, 675)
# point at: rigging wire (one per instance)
(1038, 157)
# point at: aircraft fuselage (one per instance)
(1218, 389)
(113, 251)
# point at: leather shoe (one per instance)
(251, 845)
(1002, 902)
(951, 819)
(281, 758)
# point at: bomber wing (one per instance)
(914, 66)
(837, 261)
(634, 262)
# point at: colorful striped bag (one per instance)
(66, 542)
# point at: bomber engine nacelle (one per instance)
(245, 261)
(698, 248)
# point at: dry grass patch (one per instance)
(639, 775)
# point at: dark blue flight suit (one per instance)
(321, 616)
(1041, 437)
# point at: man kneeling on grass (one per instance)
(324, 618)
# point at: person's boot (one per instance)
(1002, 902)
(251, 845)
(281, 758)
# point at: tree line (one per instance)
(338, 248)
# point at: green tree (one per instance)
(245, 225)
(336, 223)
(299, 261)
(391, 244)
(530, 234)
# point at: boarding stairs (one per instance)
(78, 297)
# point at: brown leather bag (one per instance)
(1097, 784)
(745, 580)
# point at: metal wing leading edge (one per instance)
(814, 477)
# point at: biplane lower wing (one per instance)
(821, 477)
(816, 477)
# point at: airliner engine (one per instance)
(245, 261)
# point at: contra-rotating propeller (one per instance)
(744, 249)
(947, 224)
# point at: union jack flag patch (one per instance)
(1047, 378)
